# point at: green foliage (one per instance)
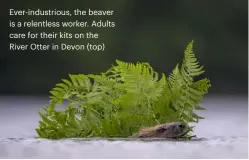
(125, 98)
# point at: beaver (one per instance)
(167, 130)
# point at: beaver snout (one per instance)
(176, 129)
(167, 130)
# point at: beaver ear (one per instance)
(161, 129)
(141, 136)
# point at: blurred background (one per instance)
(155, 32)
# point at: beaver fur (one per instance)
(167, 130)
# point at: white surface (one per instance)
(225, 127)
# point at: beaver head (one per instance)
(167, 130)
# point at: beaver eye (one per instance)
(161, 130)
(181, 126)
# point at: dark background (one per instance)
(153, 31)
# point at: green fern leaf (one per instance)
(123, 99)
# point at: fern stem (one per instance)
(153, 114)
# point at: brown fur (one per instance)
(167, 130)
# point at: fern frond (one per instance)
(186, 93)
(123, 99)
